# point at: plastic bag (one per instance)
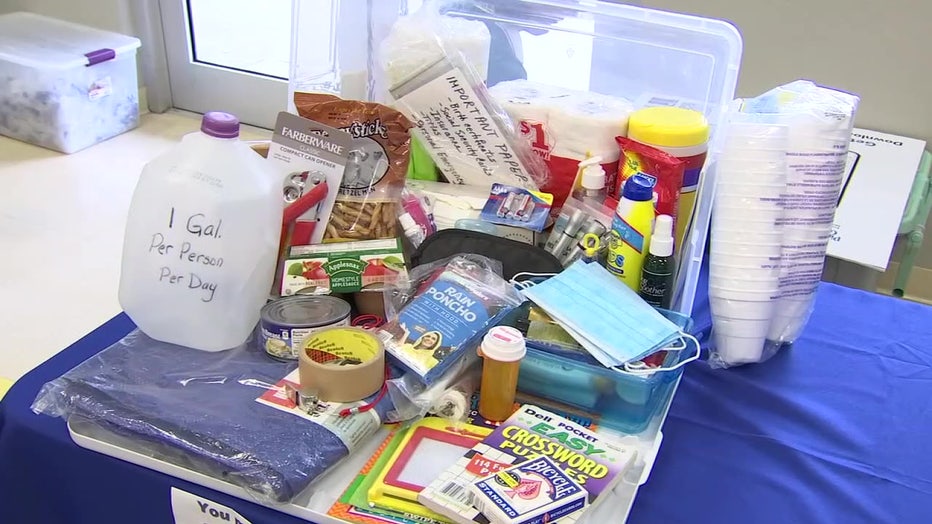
(199, 410)
(576, 220)
(413, 44)
(413, 399)
(374, 177)
(442, 311)
(415, 218)
(466, 132)
(564, 127)
(779, 174)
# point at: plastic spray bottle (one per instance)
(502, 349)
(631, 229)
(659, 266)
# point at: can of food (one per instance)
(285, 323)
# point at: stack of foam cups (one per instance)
(747, 238)
(817, 151)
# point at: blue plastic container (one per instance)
(623, 401)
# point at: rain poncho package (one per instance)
(442, 311)
(780, 168)
(227, 414)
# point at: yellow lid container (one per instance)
(668, 127)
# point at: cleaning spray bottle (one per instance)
(659, 266)
(631, 229)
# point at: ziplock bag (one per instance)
(199, 410)
(576, 220)
(413, 399)
(606, 317)
(437, 86)
(442, 311)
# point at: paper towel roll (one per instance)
(563, 125)
(573, 122)
(525, 114)
(526, 91)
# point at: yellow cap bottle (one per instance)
(683, 133)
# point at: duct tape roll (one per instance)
(341, 364)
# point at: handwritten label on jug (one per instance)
(196, 231)
(188, 508)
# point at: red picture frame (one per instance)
(393, 476)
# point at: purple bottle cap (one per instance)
(219, 124)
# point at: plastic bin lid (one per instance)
(41, 42)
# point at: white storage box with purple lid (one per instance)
(65, 86)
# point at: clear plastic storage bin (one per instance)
(65, 86)
(625, 402)
(647, 56)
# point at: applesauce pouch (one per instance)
(346, 267)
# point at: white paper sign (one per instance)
(879, 176)
(188, 508)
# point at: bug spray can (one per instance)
(502, 349)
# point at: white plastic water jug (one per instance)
(201, 241)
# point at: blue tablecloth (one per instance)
(832, 430)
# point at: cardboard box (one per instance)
(533, 491)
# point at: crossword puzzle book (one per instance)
(590, 460)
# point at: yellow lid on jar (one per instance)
(668, 127)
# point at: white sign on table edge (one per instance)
(188, 508)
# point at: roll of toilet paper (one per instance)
(529, 105)
(526, 116)
(588, 122)
(563, 127)
(526, 91)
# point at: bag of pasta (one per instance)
(374, 177)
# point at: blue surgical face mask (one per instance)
(604, 315)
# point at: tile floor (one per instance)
(61, 232)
